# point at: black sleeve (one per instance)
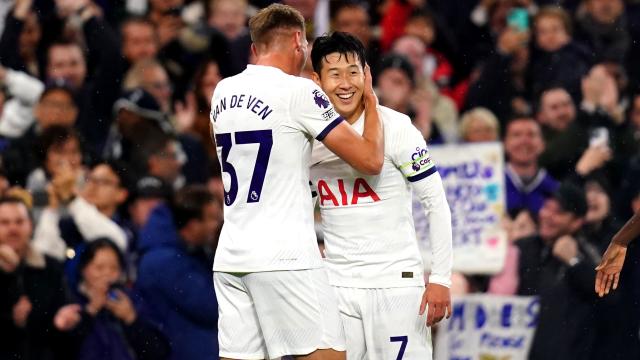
(492, 89)
(582, 277)
(104, 54)
(147, 341)
(9, 54)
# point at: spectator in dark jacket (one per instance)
(106, 324)
(602, 28)
(557, 265)
(94, 77)
(32, 289)
(20, 39)
(527, 184)
(181, 296)
(557, 60)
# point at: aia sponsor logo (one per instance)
(351, 194)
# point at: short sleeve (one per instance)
(410, 153)
(312, 110)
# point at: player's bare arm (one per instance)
(364, 153)
(608, 272)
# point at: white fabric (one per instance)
(272, 229)
(17, 114)
(369, 235)
(378, 321)
(267, 315)
(91, 223)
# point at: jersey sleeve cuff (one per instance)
(329, 127)
(423, 174)
(440, 280)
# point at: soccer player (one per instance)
(608, 272)
(370, 241)
(273, 294)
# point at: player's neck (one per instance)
(280, 61)
(355, 115)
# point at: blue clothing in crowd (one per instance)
(531, 195)
(176, 283)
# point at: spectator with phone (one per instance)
(505, 93)
(106, 324)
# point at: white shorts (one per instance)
(266, 315)
(383, 324)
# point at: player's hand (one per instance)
(370, 95)
(437, 300)
(608, 272)
(67, 317)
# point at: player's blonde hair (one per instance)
(266, 24)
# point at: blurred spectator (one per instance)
(70, 220)
(352, 17)
(557, 265)
(139, 40)
(602, 28)
(106, 324)
(230, 18)
(32, 289)
(432, 78)
(137, 112)
(20, 40)
(66, 59)
(160, 155)
(56, 107)
(505, 93)
(316, 15)
(16, 114)
(527, 185)
(479, 125)
(60, 152)
(557, 59)
(192, 117)
(152, 77)
(149, 192)
(181, 295)
(396, 89)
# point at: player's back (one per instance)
(261, 119)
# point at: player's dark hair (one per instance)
(338, 42)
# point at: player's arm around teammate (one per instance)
(364, 153)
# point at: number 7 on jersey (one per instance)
(265, 140)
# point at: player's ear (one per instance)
(254, 50)
(316, 78)
(298, 39)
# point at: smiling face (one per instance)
(523, 141)
(342, 79)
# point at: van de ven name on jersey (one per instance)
(247, 102)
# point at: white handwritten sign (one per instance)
(473, 178)
(488, 327)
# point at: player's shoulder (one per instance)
(395, 122)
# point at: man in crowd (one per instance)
(557, 265)
(527, 184)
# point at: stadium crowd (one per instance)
(111, 190)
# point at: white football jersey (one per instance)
(369, 235)
(265, 122)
